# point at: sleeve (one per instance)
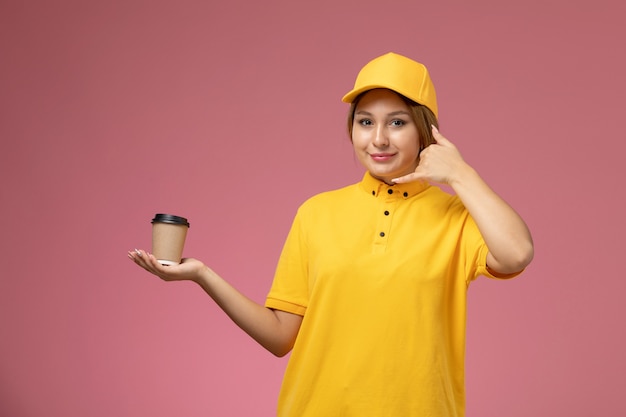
(289, 291)
(476, 251)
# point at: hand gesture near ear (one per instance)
(507, 236)
(440, 162)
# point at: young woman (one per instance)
(370, 289)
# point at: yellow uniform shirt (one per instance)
(380, 274)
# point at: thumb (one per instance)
(413, 176)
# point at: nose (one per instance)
(380, 137)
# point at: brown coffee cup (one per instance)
(168, 238)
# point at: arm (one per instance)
(506, 235)
(275, 330)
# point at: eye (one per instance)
(364, 122)
(397, 123)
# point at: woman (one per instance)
(370, 289)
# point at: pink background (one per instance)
(229, 113)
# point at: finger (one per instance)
(142, 258)
(152, 262)
(135, 255)
(413, 176)
(439, 138)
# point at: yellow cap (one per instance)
(397, 73)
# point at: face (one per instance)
(384, 135)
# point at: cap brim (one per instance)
(349, 98)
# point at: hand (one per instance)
(440, 162)
(188, 269)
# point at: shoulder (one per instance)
(437, 196)
(441, 203)
(330, 198)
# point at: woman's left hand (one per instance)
(440, 162)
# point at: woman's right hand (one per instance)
(189, 269)
(273, 329)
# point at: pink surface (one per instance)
(229, 114)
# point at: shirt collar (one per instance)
(375, 187)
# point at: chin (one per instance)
(385, 177)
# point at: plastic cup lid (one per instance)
(170, 218)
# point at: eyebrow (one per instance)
(393, 113)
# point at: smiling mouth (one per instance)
(381, 157)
